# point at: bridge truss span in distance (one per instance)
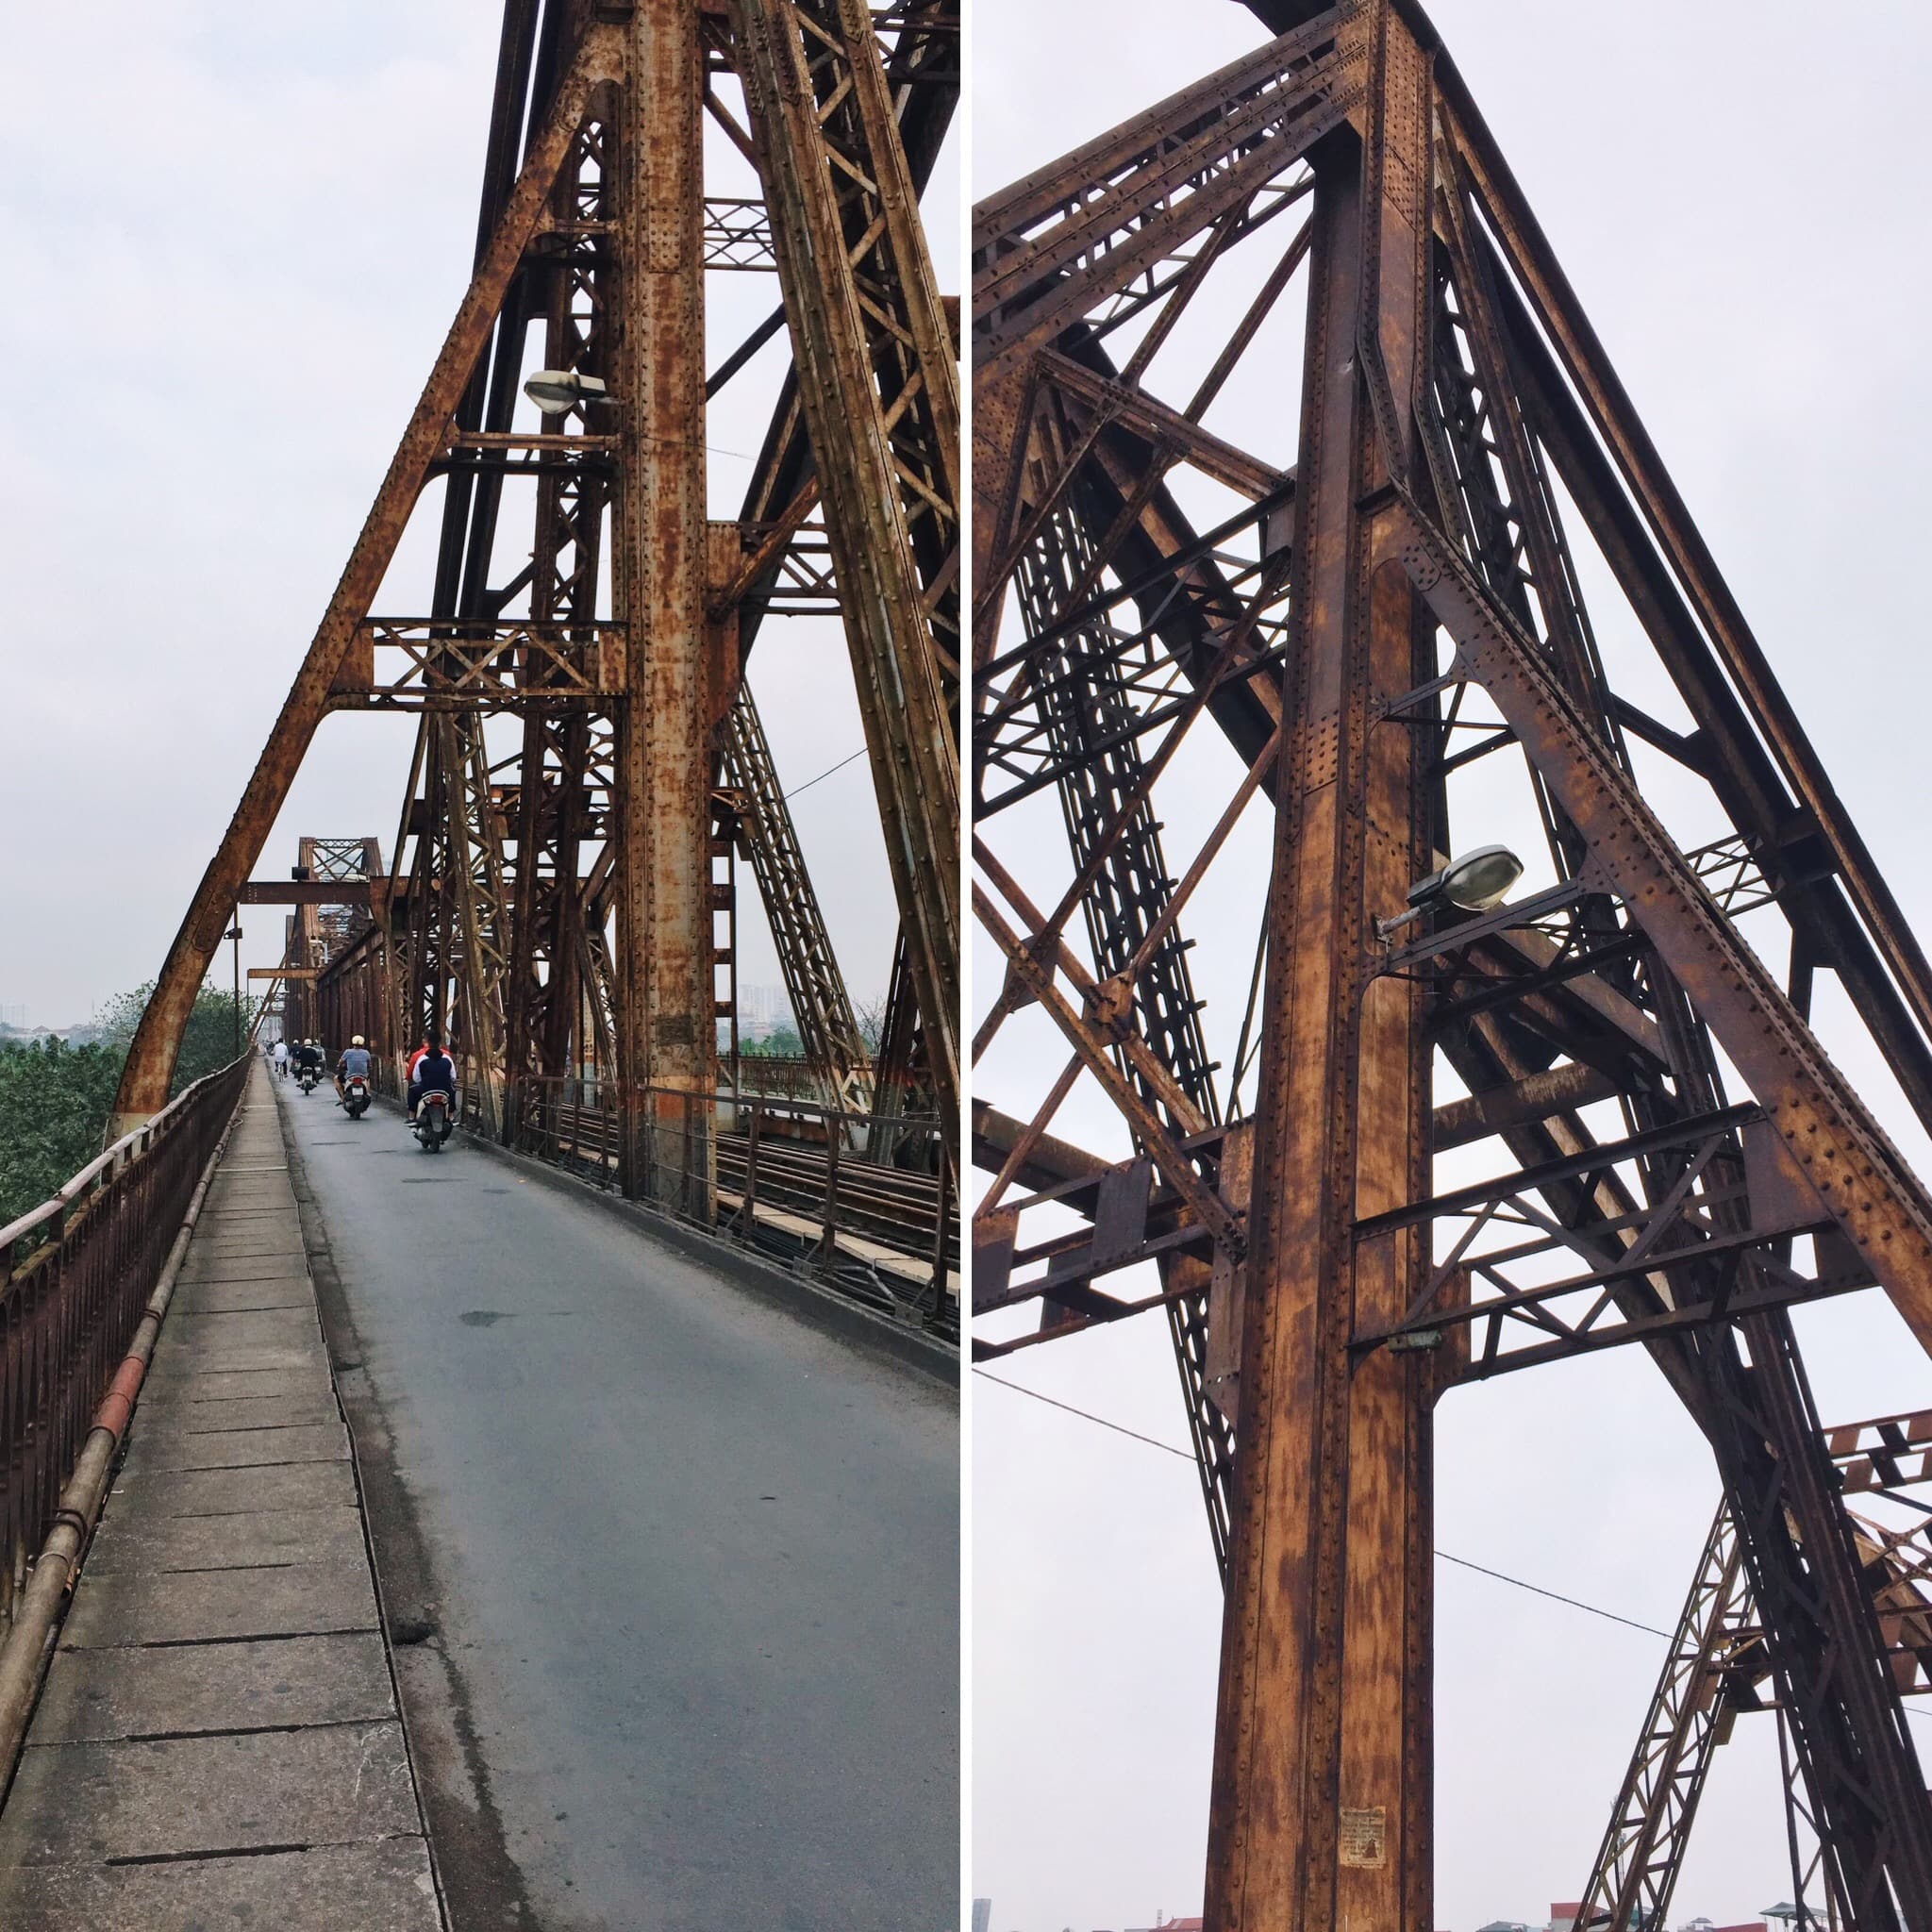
(1317, 546)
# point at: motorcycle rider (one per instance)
(309, 1058)
(431, 1071)
(353, 1065)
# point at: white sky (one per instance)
(234, 239)
(1736, 195)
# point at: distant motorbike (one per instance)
(433, 1123)
(355, 1096)
(306, 1081)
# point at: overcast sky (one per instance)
(234, 237)
(1738, 198)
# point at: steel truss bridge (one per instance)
(1487, 1139)
(590, 769)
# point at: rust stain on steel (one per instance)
(1322, 1718)
(1846, 1155)
(871, 511)
(664, 755)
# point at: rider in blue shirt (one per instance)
(353, 1064)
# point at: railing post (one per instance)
(828, 1241)
(941, 1220)
(747, 1212)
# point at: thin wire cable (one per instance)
(806, 787)
(1463, 1562)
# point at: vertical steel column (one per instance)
(1321, 1804)
(667, 1038)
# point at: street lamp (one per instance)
(1478, 882)
(557, 392)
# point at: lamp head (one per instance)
(557, 392)
(1478, 882)
(1481, 879)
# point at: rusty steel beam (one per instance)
(1323, 1746)
(1116, 210)
(662, 944)
(878, 393)
(314, 892)
(1846, 1157)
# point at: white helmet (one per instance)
(356, 1039)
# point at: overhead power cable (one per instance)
(1462, 1562)
(826, 774)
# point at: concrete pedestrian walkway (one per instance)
(218, 1743)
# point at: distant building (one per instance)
(762, 1011)
(982, 1914)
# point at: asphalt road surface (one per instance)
(695, 1561)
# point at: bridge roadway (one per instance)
(673, 1567)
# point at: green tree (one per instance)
(53, 1102)
(207, 1046)
(780, 1043)
(55, 1098)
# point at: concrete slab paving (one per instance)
(233, 1327)
(384, 1887)
(265, 1384)
(270, 1683)
(153, 1798)
(246, 1268)
(297, 1410)
(253, 1540)
(255, 1248)
(269, 1291)
(221, 1493)
(184, 1360)
(200, 1605)
(241, 1448)
(217, 1744)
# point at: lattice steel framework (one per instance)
(1477, 1140)
(583, 717)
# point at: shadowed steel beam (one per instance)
(826, 1026)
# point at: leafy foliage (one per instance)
(53, 1102)
(55, 1098)
(780, 1043)
(206, 1046)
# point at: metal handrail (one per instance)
(75, 1274)
(581, 1123)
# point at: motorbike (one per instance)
(433, 1122)
(355, 1096)
(305, 1081)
